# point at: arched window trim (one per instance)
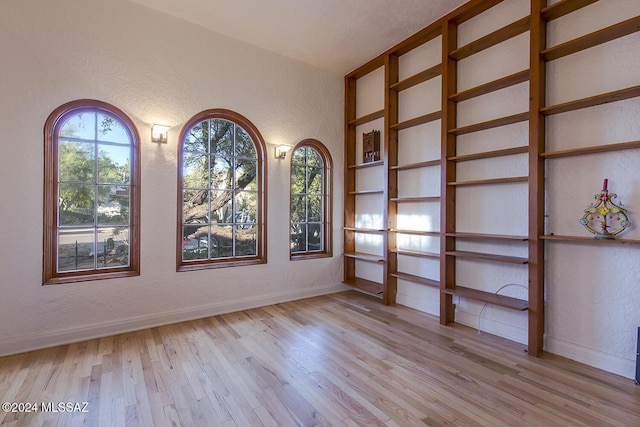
(261, 198)
(50, 231)
(327, 196)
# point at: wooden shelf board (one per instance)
(596, 38)
(591, 240)
(366, 165)
(415, 232)
(505, 33)
(416, 279)
(489, 154)
(592, 101)
(563, 7)
(490, 124)
(591, 150)
(436, 115)
(368, 118)
(488, 236)
(365, 192)
(416, 254)
(488, 257)
(364, 230)
(368, 286)
(416, 79)
(415, 199)
(416, 165)
(365, 257)
(490, 181)
(489, 298)
(498, 84)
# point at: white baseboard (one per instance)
(607, 362)
(53, 338)
(489, 326)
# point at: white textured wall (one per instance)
(157, 69)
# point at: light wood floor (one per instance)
(343, 359)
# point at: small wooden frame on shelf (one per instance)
(371, 146)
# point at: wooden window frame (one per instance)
(261, 194)
(327, 222)
(50, 231)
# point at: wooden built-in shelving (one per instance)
(591, 150)
(562, 8)
(505, 180)
(416, 165)
(364, 257)
(608, 34)
(416, 279)
(502, 83)
(368, 118)
(489, 298)
(490, 154)
(592, 101)
(591, 240)
(416, 79)
(366, 165)
(535, 75)
(415, 199)
(482, 236)
(488, 257)
(490, 124)
(436, 115)
(417, 254)
(365, 230)
(503, 34)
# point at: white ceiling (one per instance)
(336, 35)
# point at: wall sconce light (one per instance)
(281, 151)
(159, 133)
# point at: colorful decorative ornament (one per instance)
(605, 219)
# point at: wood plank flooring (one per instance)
(343, 360)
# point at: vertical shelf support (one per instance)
(349, 176)
(391, 176)
(537, 79)
(448, 173)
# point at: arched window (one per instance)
(221, 192)
(92, 194)
(310, 200)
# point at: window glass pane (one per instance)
(314, 181)
(299, 156)
(221, 174)
(313, 158)
(221, 206)
(112, 247)
(315, 208)
(76, 204)
(221, 137)
(81, 126)
(195, 173)
(114, 163)
(244, 145)
(75, 249)
(245, 208)
(197, 138)
(298, 184)
(298, 237)
(195, 242)
(113, 204)
(246, 174)
(76, 161)
(246, 244)
(112, 130)
(221, 241)
(298, 208)
(195, 207)
(315, 237)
